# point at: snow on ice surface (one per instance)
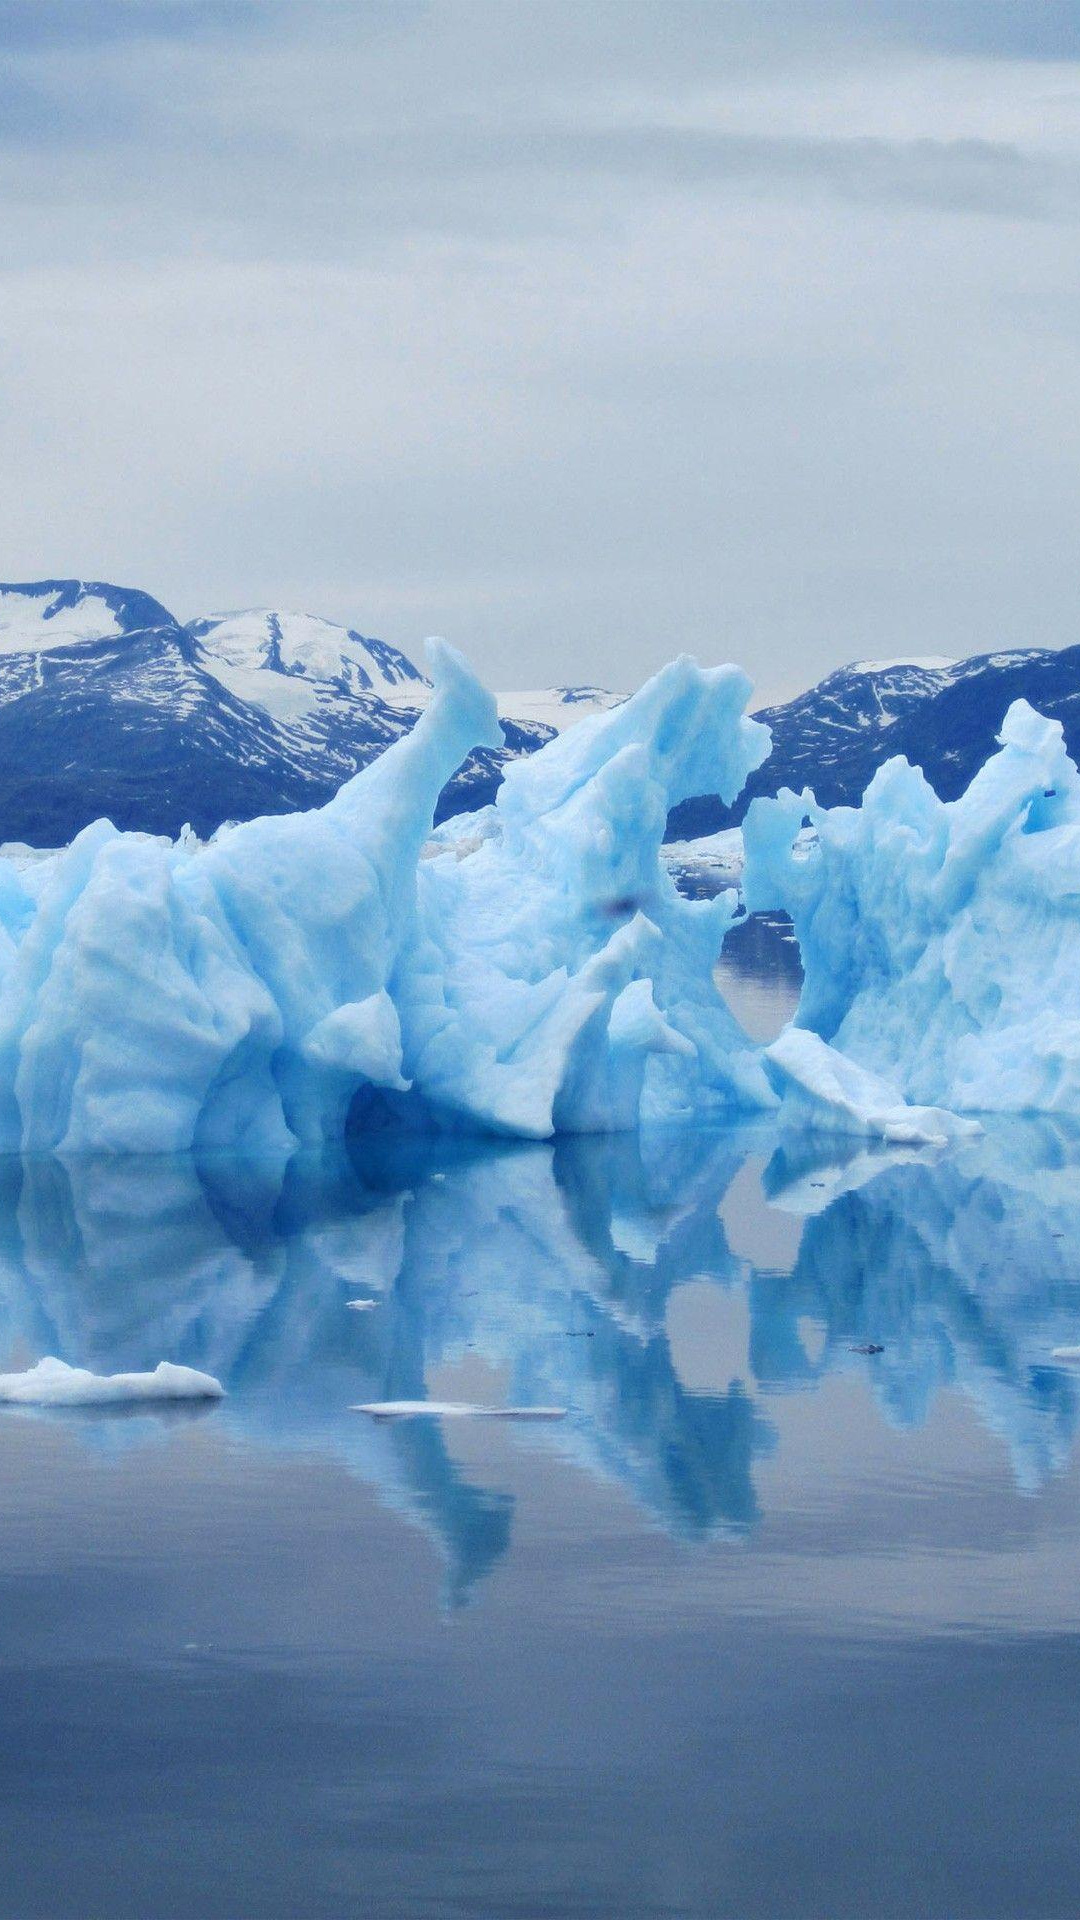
(54, 1384)
(156, 997)
(939, 940)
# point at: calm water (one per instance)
(767, 1626)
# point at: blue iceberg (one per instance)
(939, 939)
(532, 970)
(255, 993)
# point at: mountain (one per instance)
(109, 705)
(280, 661)
(40, 616)
(942, 715)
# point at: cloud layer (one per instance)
(582, 334)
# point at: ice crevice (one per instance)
(534, 969)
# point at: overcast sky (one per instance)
(583, 331)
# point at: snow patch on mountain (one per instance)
(276, 660)
(556, 707)
(927, 663)
(41, 615)
(540, 712)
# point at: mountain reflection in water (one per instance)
(664, 1290)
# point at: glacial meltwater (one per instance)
(780, 1618)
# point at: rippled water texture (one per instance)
(766, 1625)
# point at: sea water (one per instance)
(780, 1617)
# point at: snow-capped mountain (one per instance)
(40, 616)
(277, 660)
(109, 705)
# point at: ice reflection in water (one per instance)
(663, 1290)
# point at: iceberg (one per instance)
(830, 1092)
(158, 996)
(52, 1383)
(561, 983)
(305, 972)
(533, 970)
(939, 939)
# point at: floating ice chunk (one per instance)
(1065, 1353)
(454, 1410)
(939, 940)
(822, 1088)
(362, 1306)
(54, 1384)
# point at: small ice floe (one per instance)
(453, 1410)
(822, 1088)
(1065, 1353)
(52, 1383)
(361, 1306)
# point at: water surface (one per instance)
(767, 1625)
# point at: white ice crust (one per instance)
(940, 940)
(52, 1383)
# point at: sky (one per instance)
(583, 334)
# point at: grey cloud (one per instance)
(526, 45)
(31, 24)
(355, 186)
(1032, 30)
(325, 131)
(480, 315)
